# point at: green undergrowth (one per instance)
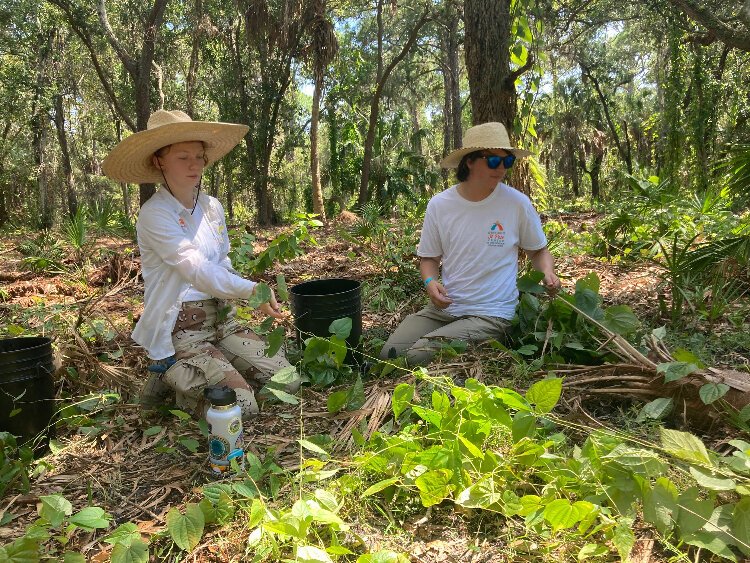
(498, 459)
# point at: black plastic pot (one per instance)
(317, 303)
(26, 389)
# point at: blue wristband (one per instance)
(427, 281)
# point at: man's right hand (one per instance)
(438, 295)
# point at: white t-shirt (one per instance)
(479, 243)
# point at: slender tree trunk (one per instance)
(317, 189)
(624, 154)
(333, 150)
(123, 185)
(228, 185)
(382, 75)
(596, 167)
(455, 72)
(72, 199)
(40, 159)
(194, 52)
(5, 190)
(447, 119)
(40, 131)
(572, 169)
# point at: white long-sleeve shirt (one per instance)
(172, 262)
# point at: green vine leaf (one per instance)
(544, 394)
(54, 509)
(281, 288)
(620, 320)
(312, 554)
(380, 485)
(341, 328)
(693, 512)
(711, 481)
(711, 392)
(91, 518)
(658, 409)
(275, 341)
(624, 538)
(741, 524)
(561, 514)
(685, 446)
(675, 370)
(186, 529)
(529, 283)
(402, 396)
(434, 486)
(589, 281)
(124, 534)
(587, 301)
(261, 294)
(134, 552)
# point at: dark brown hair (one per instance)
(462, 170)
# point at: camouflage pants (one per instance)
(211, 348)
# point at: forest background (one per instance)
(638, 117)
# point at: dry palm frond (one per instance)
(637, 377)
(376, 406)
(80, 355)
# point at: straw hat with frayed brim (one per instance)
(131, 160)
(482, 137)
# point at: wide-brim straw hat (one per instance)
(490, 135)
(131, 160)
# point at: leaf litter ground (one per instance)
(137, 466)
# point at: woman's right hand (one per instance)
(438, 294)
(271, 308)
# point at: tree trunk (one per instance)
(452, 130)
(317, 189)
(62, 138)
(623, 151)
(487, 46)
(573, 169)
(596, 167)
(455, 87)
(447, 119)
(138, 66)
(194, 52)
(40, 159)
(382, 75)
(40, 130)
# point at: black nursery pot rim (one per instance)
(315, 288)
(22, 344)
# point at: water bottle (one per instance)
(224, 419)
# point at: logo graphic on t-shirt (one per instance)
(496, 235)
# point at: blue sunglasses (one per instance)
(493, 160)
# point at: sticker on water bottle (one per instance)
(217, 447)
(235, 426)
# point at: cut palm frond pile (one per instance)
(642, 377)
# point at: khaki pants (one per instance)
(211, 348)
(420, 335)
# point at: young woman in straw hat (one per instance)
(188, 327)
(474, 230)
